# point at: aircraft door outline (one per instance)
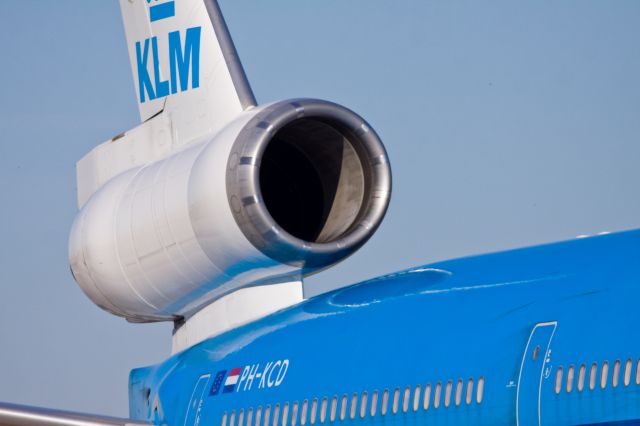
(535, 360)
(192, 417)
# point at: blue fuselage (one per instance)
(544, 335)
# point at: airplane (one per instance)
(211, 212)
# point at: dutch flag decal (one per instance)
(232, 380)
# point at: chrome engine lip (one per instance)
(245, 197)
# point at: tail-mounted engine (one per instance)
(283, 191)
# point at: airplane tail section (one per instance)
(184, 63)
(189, 83)
(212, 210)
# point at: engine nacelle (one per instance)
(281, 192)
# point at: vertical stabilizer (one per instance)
(184, 64)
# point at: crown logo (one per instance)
(161, 10)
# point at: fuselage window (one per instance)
(259, 416)
(604, 374)
(267, 415)
(343, 407)
(285, 413)
(638, 373)
(314, 411)
(354, 406)
(358, 403)
(627, 372)
(469, 397)
(303, 412)
(615, 378)
(405, 399)
(570, 377)
(374, 403)
(436, 395)
(250, 417)
(323, 409)
(363, 405)
(480, 390)
(396, 398)
(416, 398)
(459, 387)
(276, 414)
(334, 408)
(592, 376)
(447, 394)
(581, 376)
(385, 402)
(558, 380)
(427, 397)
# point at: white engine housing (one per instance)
(284, 190)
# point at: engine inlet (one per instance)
(308, 182)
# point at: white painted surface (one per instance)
(150, 141)
(234, 310)
(159, 240)
(172, 122)
(196, 111)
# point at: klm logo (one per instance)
(184, 65)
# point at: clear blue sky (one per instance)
(507, 123)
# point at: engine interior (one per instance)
(308, 182)
(312, 180)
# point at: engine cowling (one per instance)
(283, 191)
